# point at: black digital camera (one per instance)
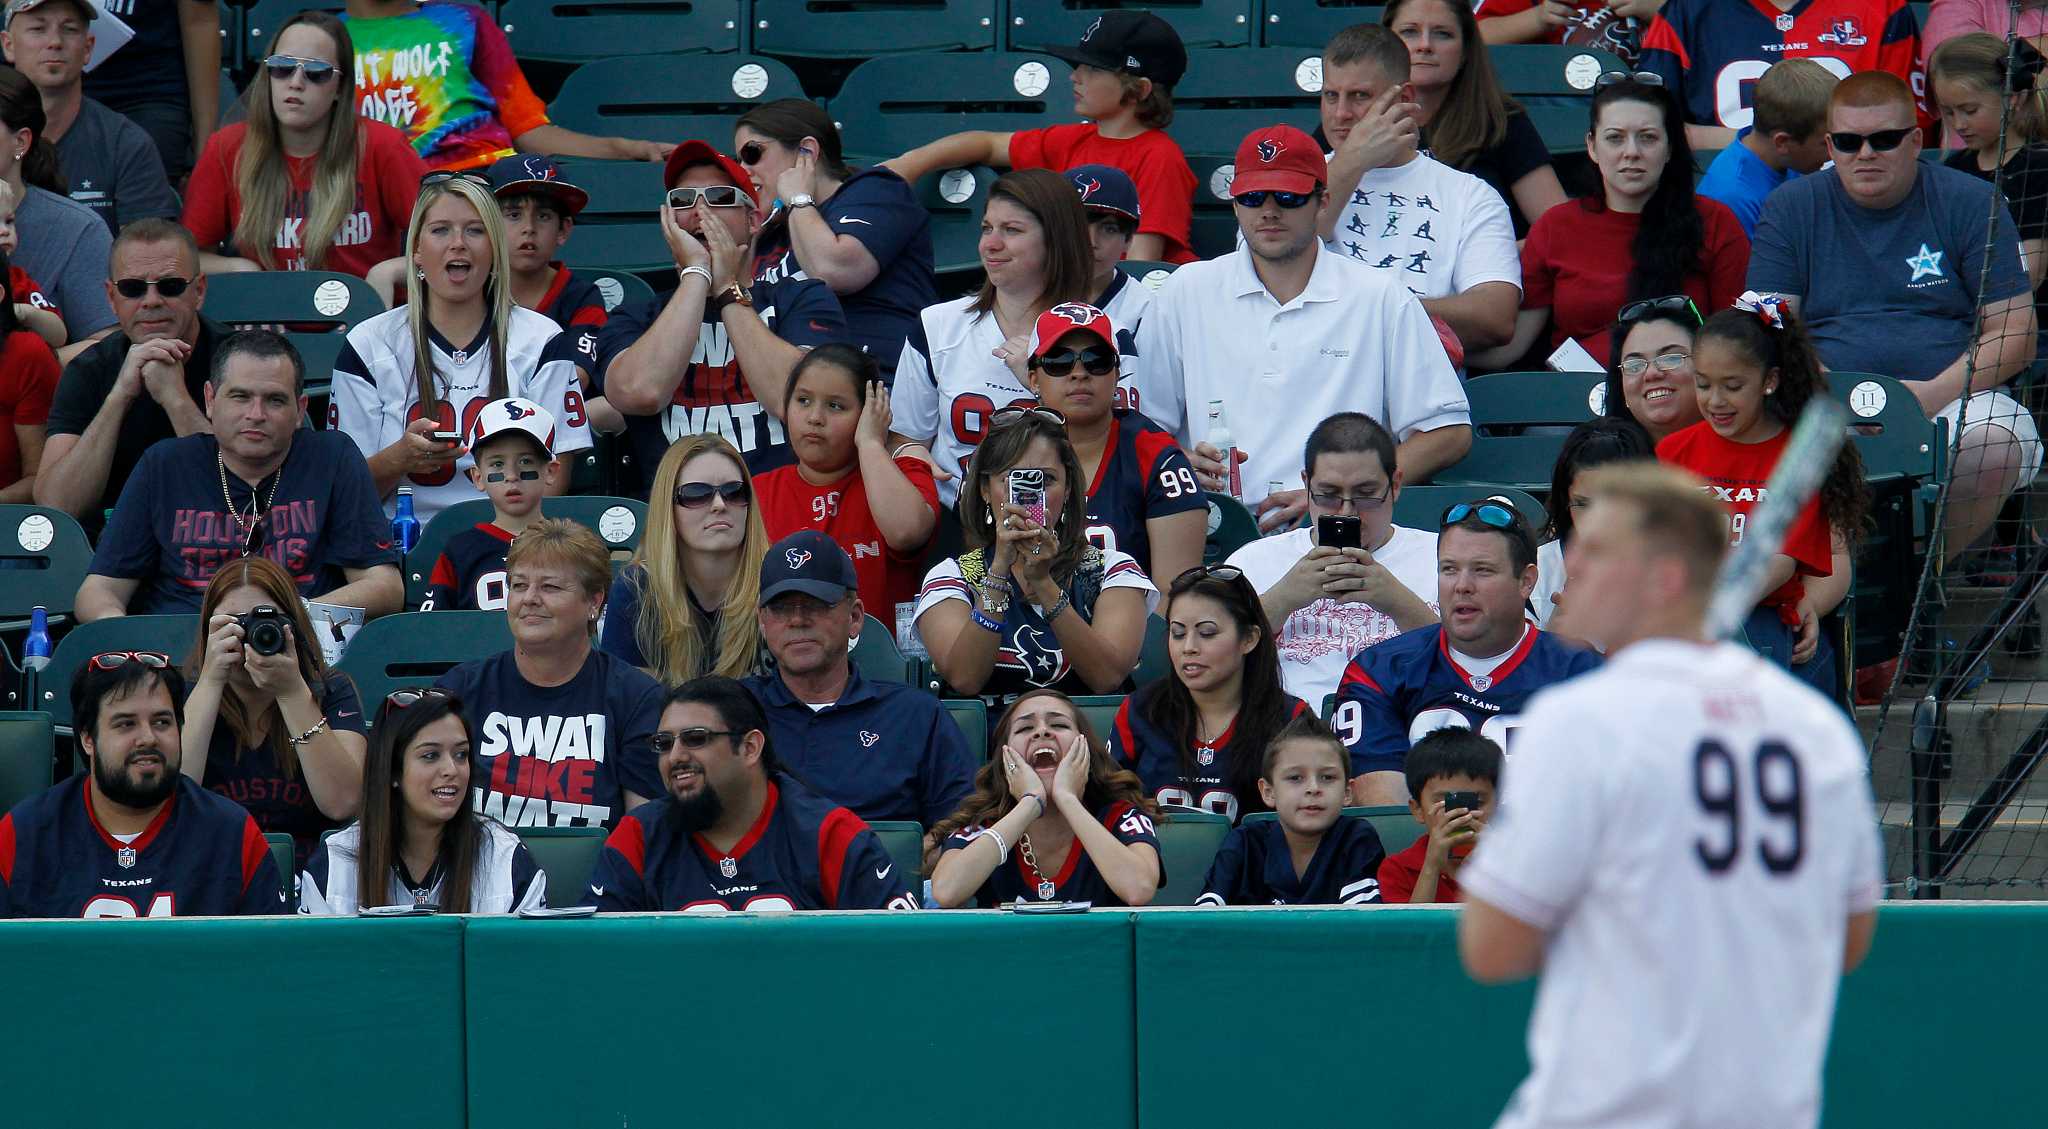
(264, 629)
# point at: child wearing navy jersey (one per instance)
(512, 442)
(1311, 853)
(540, 207)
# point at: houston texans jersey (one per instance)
(1155, 756)
(1143, 474)
(469, 575)
(803, 852)
(1254, 867)
(1031, 654)
(1126, 300)
(1397, 692)
(1712, 52)
(203, 856)
(506, 880)
(574, 302)
(1075, 879)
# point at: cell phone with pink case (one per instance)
(1027, 493)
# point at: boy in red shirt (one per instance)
(1124, 71)
(1453, 775)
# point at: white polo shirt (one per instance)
(1434, 229)
(1350, 341)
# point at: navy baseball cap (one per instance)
(1106, 187)
(531, 174)
(807, 562)
(1130, 41)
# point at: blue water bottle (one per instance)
(405, 528)
(35, 650)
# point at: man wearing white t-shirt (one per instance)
(1685, 846)
(1282, 332)
(1328, 603)
(1442, 233)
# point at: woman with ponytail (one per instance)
(62, 244)
(1757, 369)
(305, 183)
(1995, 107)
(1643, 235)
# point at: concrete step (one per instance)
(2010, 861)
(1984, 729)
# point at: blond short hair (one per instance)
(1674, 514)
(560, 541)
(1792, 98)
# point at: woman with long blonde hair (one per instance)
(411, 382)
(305, 183)
(688, 605)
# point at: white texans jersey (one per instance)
(375, 396)
(1693, 828)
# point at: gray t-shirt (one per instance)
(114, 168)
(1893, 291)
(65, 248)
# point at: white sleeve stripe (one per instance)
(1209, 898)
(1363, 890)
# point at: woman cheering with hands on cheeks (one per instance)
(1051, 819)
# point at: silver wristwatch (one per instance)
(800, 200)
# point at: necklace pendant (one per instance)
(729, 868)
(1046, 889)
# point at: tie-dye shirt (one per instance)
(445, 75)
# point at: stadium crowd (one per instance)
(1012, 481)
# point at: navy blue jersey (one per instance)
(171, 530)
(1155, 756)
(558, 756)
(1143, 475)
(1031, 654)
(712, 394)
(469, 575)
(1710, 53)
(804, 852)
(256, 779)
(1254, 867)
(884, 749)
(876, 208)
(574, 302)
(1398, 691)
(203, 856)
(1074, 879)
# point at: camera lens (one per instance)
(266, 638)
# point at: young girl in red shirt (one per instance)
(1756, 369)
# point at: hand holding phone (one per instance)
(1027, 493)
(1339, 532)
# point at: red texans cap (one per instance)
(1279, 158)
(1065, 318)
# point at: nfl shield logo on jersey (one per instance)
(1204, 755)
(125, 858)
(729, 868)
(1481, 683)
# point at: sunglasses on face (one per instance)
(319, 72)
(716, 195)
(697, 495)
(1012, 415)
(1641, 78)
(1488, 513)
(439, 176)
(1665, 362)
(132, 288)
(115, 660)
(691, 739)
(1883, 141)
(1288, 200)
(1095, 360)
(1669, 304)
(752, 152)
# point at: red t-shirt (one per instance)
(28, 378)
(840, 511)
(26, 289)
(1494, 9)
(1576, 261)
(1399, 872)
(387, 182)
(1166, 185)
(1736, 473)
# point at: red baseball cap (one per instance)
(701, 153)
(1279, 158)
(1069, 317)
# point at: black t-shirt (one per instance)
(149, 67)
(1519, 153)
(255, 779)
(2026, 196)
(87, 382)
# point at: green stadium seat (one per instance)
(895, 103)
(1229, 93)
(1522, 461)
(904, 840)
(1212, 227)
(576, 31)
(299, 299)
(620, 228)
(1187, 845)
(617, 287)
(876, 655)
(955, 198)
(971, 715)
(1153, 661)
(1310, 23)
(857, 29)
(1518, 399)
(1152, 274)
(28, 744)
(567, 855)
(1035, 25)
(287, 873)
(415, 648)
(662, 98)
(1422, 507)
(1231, 527)
(1396, 827)
(171, 634)
(1555, 85)
(46, 554)
(1903, 456)
(617, 521)
(1100, 710)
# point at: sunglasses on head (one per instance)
(1206, 572)
(1095, 360)
(317, 71)
(716, 195)
(115, 660)
(439, 176)
(1489, 513)
(697, 495)
(1669, 304)
(410, 696)
(691, 739)
(169, 286)
(1289, 200)
(1883, 141)
(1641, 78)
(1011, 415)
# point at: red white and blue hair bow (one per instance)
(1768, 308)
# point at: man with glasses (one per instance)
(1330, 602)
(134, 387)
(735, 831)
(887, 750)
(1282, 331)
(132, 836)
(110, 165)
(1475, 670)
(1885, 262)
(715, 353)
